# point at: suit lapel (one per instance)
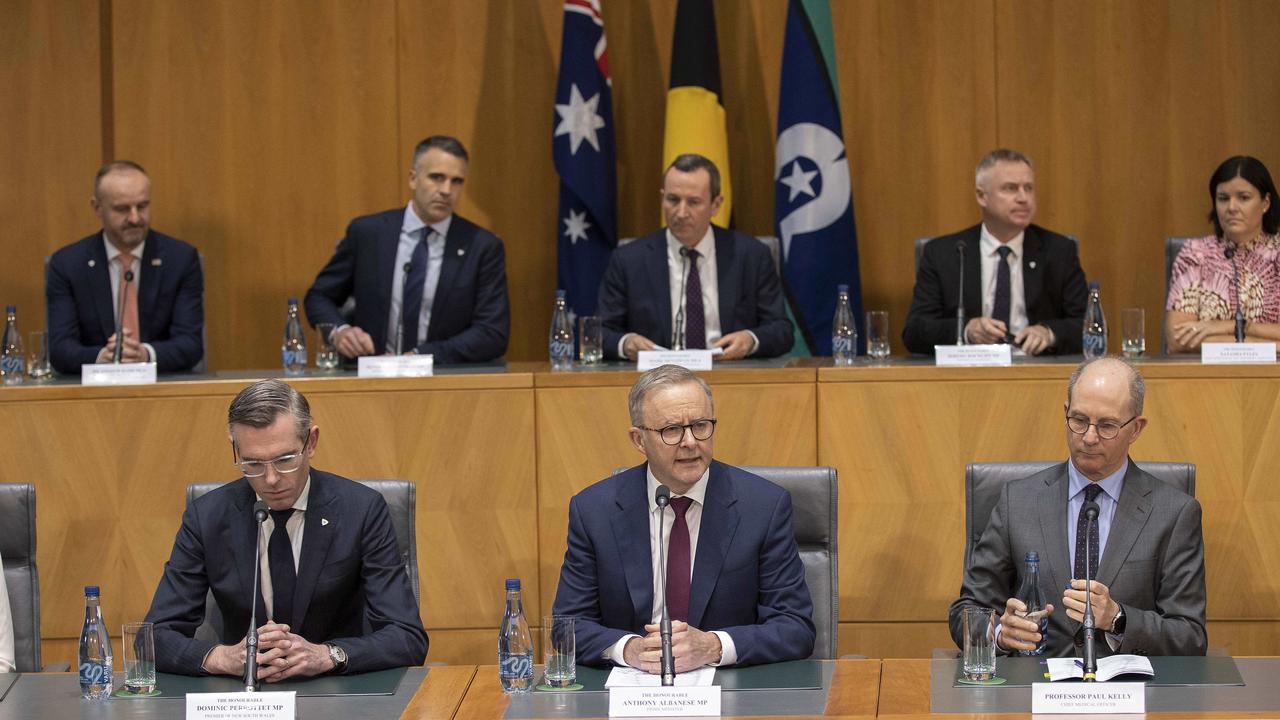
(455, 248)
(388, 243)
(149, 279)
(726, 279)
(715, 535)
(1132, 513)
(240, 534)
(99, 273)
(1032, 272)
(657, 270)
(1053, 526)
(321, 521)
(973, 274)
(631, 533)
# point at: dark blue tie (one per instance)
(284, 576)
(1086, 541)
(411, 296)
(1000, 308)
(695, 317)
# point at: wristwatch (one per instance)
(338, 656)
(1117, 625)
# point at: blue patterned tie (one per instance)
(414, 280)
(695, 318)
(1087, 539)
(1000, 308)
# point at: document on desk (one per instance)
(1108, 667)
(631, 677)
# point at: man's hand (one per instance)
(353, 342)
(1018, 631)
(131, 352)
(634, 343)
(985, 330)
(736, 344)
(225, 660)
(690, 648)
(1190, 334)
(282, 655)
(1104, 608)
(1034, 339)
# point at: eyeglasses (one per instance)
(673, 434)
(1107, 429)
(284, 464)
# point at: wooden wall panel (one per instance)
(52, 119)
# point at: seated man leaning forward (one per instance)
(1149, 596)
(736, 590)
(335, 597)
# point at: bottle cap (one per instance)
(1033, 556)
(91, 591)
(842, 288)
(513, 584)
(11, 309)
(1093, 285)
(293, 301)
(559, 294)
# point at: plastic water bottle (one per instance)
(1095, 325)
(561, 346)
(515, 645)
(1029, 593)
(294, 349)
(95, 650)
(13, 361)
(844, 332)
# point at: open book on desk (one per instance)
(1108, 667)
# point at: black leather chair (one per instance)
(402, 500)
(984, 481)
(18, 548)
(1172, 246)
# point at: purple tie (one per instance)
(1004, 291)
(1086, 542)
(695, 318)
(678, 562)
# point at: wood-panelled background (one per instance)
(268, 126)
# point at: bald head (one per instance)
(1110, 372)
(1104, 396)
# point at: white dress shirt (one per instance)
(692, 518)
(410, 232)
(6, 630)
(117, 276)
(988, 247)
(294, 527)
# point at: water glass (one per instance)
(878, 334)
(979, 643)
(326, 353)
(38, 367)
(1133, 327)
(559, 650)
(589, 340)
(139, 648)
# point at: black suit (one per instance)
(81, 311)
(352, 588)
(470, 314)
(635, 293)
(1053, 284)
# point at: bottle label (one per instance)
(560, 349)
(841, 344)
(12, 364)
(95, 673)
(516, 666)
(295, 357)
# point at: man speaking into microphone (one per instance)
(735, 587)
(334, 595)
(1144, 553)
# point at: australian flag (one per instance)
(813, 198)
(582, 145)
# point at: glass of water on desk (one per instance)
(878, 334)
(38, 367)
(139, 648)
(979, 643)
(559, 650)
(1133, 326)
(326, 353)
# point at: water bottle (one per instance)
(515, 645)
(294, 350)
(95, 650)
(1029, 593)
(13, 361)
(844, 332)
(1095, 326)
(561, 347)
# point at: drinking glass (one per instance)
(1133, 327)
(589, 339)
(38, 367)
(878, 334)
(139, 647)
(326, 353)
(559, 650)
(979, 643)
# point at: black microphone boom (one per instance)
(1230, 254)
(960, 320)
(251, 638)
(117, 354)
(408, 268)
(1090, 650)
(677, 332)
(662, 497)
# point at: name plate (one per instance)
(1086, 698)
(121, 374)
(664, 701)
(690, 359)
(1237, 353)
(384, 366)
(242, 706)
(973, 355)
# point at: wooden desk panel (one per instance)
(441, 693)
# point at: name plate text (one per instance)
(664, 701)
(118, 374)
(997, 355)
(1237, 353)
(691, 359)
(1088, 698)
(242, 706)
(385, 366)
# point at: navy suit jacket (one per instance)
(635, 293)
(748, 579)
(470, 315)
(81, 314)
(1054, 288)
(352, 587)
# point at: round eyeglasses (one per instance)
(1107, 429)
(673, 434)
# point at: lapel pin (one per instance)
(1032, 264)
(156, 262)
(461, 252)
(93, 263)
(323, 522)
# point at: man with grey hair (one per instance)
(1145, 550)
(735, 586)
(424, 279)
(334, 595)
(1023, 284)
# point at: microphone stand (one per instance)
(404, 285)
(677, 333)
(1090, 651)
(251, 639)
(117, 354)
(663, 498)
(1230, 254)
(960, 319)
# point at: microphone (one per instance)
(408, 268)
(677, 332)
(1090, 651)
(663, 498)
(251, 639)
(1230, 254)
(117, 353)
(960, 319)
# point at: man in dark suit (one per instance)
(717, 288)
(424, 280)
(153, 283)
(330, 566)
(1022, 283)
(1147, 548)
(735, 587)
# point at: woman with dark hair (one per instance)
(1203, 290)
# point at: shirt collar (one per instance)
(1111, 484)
(412, 223)
(706, 247)
(113, 252)
(988, 243)
(696, 493)
(301, 503)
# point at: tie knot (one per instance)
(280, 517)
(126, 259)
(692, 254)
(1004, 251)
(681, 505)
(1092, 491)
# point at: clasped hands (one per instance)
(691, 648)
(281, 655)
(1019, 632)
(1191, 334)
(352, 342)
(131, 352)
(1034, 339)
(736, 345)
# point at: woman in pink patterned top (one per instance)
(1202, 290)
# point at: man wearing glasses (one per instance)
(735, 586)
(1149, 594)
(330, 567)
